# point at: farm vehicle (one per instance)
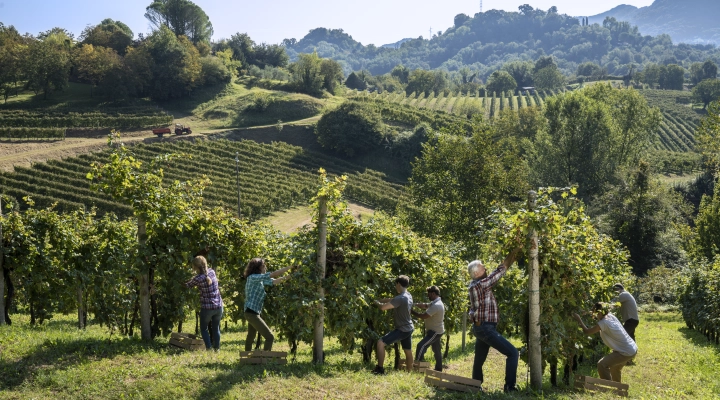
(179, 130)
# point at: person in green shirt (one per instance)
(257, 278)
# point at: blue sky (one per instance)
(270, 21)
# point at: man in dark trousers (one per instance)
(628, 309)
(434, 317)
(484, 315)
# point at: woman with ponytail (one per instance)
(211, 305)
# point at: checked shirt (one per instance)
(255, 291)
(483, 307)
(209, 294)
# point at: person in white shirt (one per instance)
(434, 317)
(615, 337)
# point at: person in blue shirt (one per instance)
(257, 278)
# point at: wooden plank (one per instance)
(453, 378)
(186, 346)
(618, 385)
(595, 388)
(451, 385)
(261, 353)
(187, 338)
(263, 361)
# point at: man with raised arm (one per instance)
(401, 306)
(484, 315)
(434, 317)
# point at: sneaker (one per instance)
(378, 370)
(508, 389)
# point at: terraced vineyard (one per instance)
(676, 133)
(45, 124)
(272, 177)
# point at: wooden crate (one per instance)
(601, 385)
(187, 341)
(263, 357)
(452, 382)
(418, 366)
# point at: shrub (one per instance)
(351, 129)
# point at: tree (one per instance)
(549, 77)
(332, 73)
(13, 53)
(521, 71)
(183, 17)
(652, 74)
(707, 91)
(708, 137)
(176, 68)
(401, 73)
(641, 213)
(352, 129)
(460, 19)
(307, 75)
(459, 179)
(93, 63)
(420, 81)
(590, 69)
(48, 65)
(501, 82)
(353, 81)
(587, 137)
(672, 77)
(112, 34)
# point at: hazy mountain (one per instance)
(689, 21)
(396, 44)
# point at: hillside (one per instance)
(687, 21)
(486, 41)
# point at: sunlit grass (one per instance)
(58, 361)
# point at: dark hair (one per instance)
(254, 267)
(600, 306)
(619, 286)
(434, 289)
(403, 280)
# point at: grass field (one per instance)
(58, 361)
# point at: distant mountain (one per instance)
(687, 21)
(397, 44)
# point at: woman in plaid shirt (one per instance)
(484, 314)
(211, 304)
(257, 278)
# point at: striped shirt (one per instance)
(255, 291)
(483, 307)
(209, 294)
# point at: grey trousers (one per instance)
(610, 367)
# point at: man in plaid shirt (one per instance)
(484, 314)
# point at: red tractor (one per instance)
(179, 130)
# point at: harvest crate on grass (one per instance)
(601, 385)
(263, 357)
(418, 366)
(453, 382)
(187, 341)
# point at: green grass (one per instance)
(58, 361)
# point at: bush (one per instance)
(214, 71)
(260, 102)
(351, 129)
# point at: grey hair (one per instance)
(473, 266)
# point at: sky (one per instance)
(370, 21)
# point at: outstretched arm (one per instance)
(510, 259)
(279, 272)
(384, 306)
(588, 331)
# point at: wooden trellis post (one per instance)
(534, 348)
(318, 331)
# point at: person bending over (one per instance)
(401, 305)
(615, 337)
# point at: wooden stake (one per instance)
(2, 275)
(318, 331)
(144, 282)
(534, 349)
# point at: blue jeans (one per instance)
(487, 336)
(210, 316)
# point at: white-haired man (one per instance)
(484, 315)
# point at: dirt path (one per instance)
(25, 153)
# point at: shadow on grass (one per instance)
(699, 339)
(63, 354)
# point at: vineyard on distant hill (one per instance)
(272, 177)
(677, 131)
